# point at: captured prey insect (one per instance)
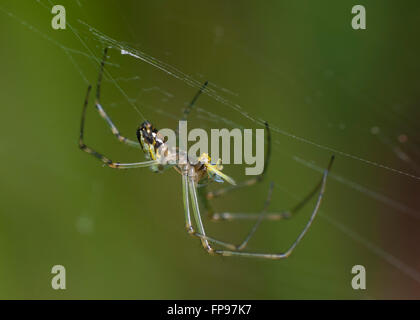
(196, 177)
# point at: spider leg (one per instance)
(108, 162)
(298, 239)
(251, 181)
(102, 112)
(186, 188)
(227, 216)
(188, 109)
(188, 223)
(114, 129)
(230, 216)
(260, 219)
(189, 187)
(193, 101)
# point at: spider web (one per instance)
(224, 107)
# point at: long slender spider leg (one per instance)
(108, 162)
(260, 219)
(114, 129)
(186, 200)
(188, 109)
(193, 101)
(189, 186)
(199, 223)
(228, 216)
(298, 239)
(285, 214)
(102, 112)
(269, 216)
(251, 181)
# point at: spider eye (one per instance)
(147, 132)
(146, 125)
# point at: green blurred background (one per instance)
(298, 64)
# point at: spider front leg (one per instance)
(105, 160)
(102, 112)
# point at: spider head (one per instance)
(149, 139)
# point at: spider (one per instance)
(196, 177)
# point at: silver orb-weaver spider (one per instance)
(204, 172)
